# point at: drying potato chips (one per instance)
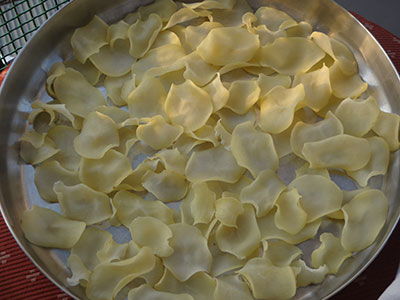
(194, 151)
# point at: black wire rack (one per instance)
(19, 20)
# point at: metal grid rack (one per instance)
(18, 22)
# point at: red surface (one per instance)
(21, 280)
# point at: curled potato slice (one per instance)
(340, 151)
(202, 206)
(163, 8)
(280, 253)
(330, 253)
(113, 61)
(290, 216)
(227, 210)
(142, 34)
(194, 35)
(267, 83)
(218, 93)
(88, 39)
(188, 105)
(213, 164)
(292, 55)
(230, 120)
(147, 100)
(49, 173)
(197, 70)
(231, 287)
(378, 163)
(191, 254)
(273, 18)
(79, 202)
(343, 85)
(304, 133)
(357, 117)
(130, 206)
(99, 134)
(364, 217)
(243, 94)
(146, 292)
(87, 69)
(78, 95)
(309, 275)
(319, 195)
(46, 228)
(269, 230)
(63, 137)
(31, 154)
(105, 173)
(277, 108)
(263, 192)
(253, 150)
(268, 281)
(167, 186)
(200, 286)
(172, 160)
(151, 232)
(228, 45)
(244, 239)
(317, 87)
(158, 134)
(108, 279)
(387, 126)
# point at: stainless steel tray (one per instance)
(25, 83)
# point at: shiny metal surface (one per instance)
(25, 83)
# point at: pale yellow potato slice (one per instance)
(167, 186)
(273, 18)
(105, 173)
(305, 133)
(277, 108)
(188, 105)
(387, 126)
(306, 170)
(357, 116)
(146, 292)
(319, 195)
(280, 253)
(157, 133)
(163, 8)
(99, 134)
(243, 240)
(134, 180)
(148, 99)
(231, 287)
(268, 82)
(191, 254)
(227, 210)
(227, 45)
(243, 94)
(218, 93)
(113, 61)
(213, 164)
(330, 253)
(267, 281)
(153, 233)
(46, 228)
(88, 39)
(223, 136)
(114, 87)
(340, 151)
(378, 163)
(200, 286)
(172, 160)
(290, 216)
(317, 87)
(194, 35)
(263, 192)
(79, 273)
(63, 137)
(309, 275)
(364, 217)
(230, 120)
(197, 70)
(49, 173)
(117, 31)
(108, 279)
(212, 4)
(343, 85)
(185, 14)
(142, 35)
(130, 206)
(32, 155)
(253, 150)
(81, 203)
(269, 230)
(290, 56)
(78, 95)
(202, 206)
(87, 69)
